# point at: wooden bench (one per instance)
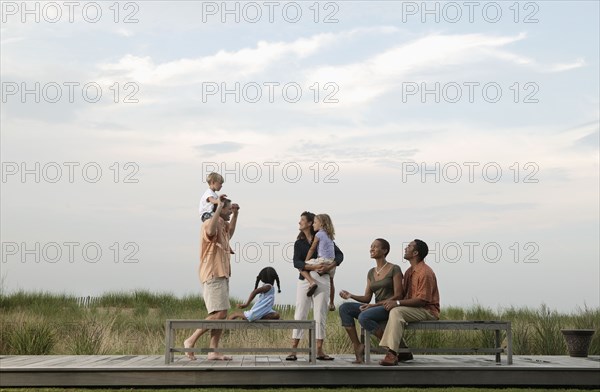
(172, 325)
(496, 326)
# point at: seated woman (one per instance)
(385, 281)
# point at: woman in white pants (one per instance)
(320, 299)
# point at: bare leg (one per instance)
(271, 316)
(378, 333)
(320, 352)
(191, 341)
(215, 335)
(237, 316)
(306, 275)
(331, 294)
(359, 348)
(295, 343)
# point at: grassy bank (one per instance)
(133, 323)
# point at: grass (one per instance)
(133, 324)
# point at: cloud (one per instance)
(219, 148)
(532, 63)
(224, 64)
(368, 79)
(343, 150)
(590, 141)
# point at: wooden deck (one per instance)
(274, 370)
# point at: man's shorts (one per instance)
(216, 294)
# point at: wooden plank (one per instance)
(57, 361)
(276, 361)
(240, 324)
(21, 360)
(87, 361)
(312, 376)
(240, 350)
(141, 361)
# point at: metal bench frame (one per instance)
(172, 325)
(496, 326)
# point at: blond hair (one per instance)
(326, 225)
(214, 177)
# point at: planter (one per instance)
(578, 341)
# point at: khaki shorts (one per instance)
(216, 294)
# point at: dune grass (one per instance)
(133, 324)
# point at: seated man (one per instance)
(421, 302)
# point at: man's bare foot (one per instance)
(218, 357)
(359, 352)
(190, 355)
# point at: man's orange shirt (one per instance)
(420, 282)
(215, 253)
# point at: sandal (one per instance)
(325, 358)
(331, 307)
(311, 290)
(291, 357)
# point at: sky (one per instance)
(473, 126)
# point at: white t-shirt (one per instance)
(205, 205)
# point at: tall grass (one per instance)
(133, 323)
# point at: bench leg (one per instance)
(312, 342)
(365, 336)
(509, 341)
(168, 342)
(497, 345)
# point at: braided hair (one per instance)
(268, 275)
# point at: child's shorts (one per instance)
(321, 260)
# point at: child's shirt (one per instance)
(263, 306)
(325, 248)
(205, 205)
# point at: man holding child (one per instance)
(215, 270)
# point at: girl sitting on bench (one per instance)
(263, 308)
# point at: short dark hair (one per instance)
(268, 275)
(225, 203)
(310, 217)
(384, 245)
(421, 248)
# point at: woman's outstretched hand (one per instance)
(344, 294)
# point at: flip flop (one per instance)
(311, 290)
(325, 358)
(291, 357)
